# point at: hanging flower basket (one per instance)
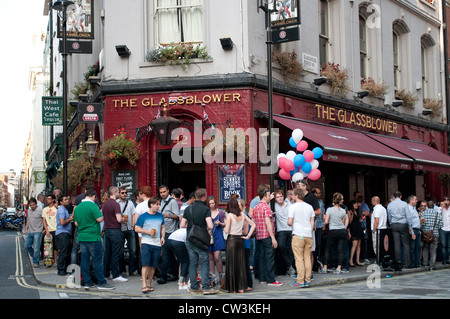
(120, 149)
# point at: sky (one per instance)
(18, 21)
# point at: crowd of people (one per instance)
(185, 239)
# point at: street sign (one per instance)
(90, 112)
(74, 46)
(285, 35)
(52, 109)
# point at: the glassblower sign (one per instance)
(80, 23)
(284, 13)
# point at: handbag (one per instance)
(428, 236)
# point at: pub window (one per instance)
(179, 21)
(323, 31)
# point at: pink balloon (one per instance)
(287, 165)
(309, 155)
(314, 174)
(302, 145)
(285, 175)
(281, 161)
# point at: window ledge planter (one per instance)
(434, 105)
(409, 98)
(181, 54)
(337, 78)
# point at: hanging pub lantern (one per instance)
(164, 125)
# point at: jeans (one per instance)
(33, 245)
(266, 260)
(284, 239)
(445, 242)
(180, 251)
(400, 232)
(415, 248)
(302, 252)
(94, 250)
(63, 261)
(169, 264)
(130, 236)
(195, 254)
(113, 250)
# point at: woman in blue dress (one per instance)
(215, 250)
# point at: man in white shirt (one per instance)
(301, 218)
(445, 230)
(378, 222)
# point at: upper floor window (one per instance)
(179, 21)
(400, 49)
(427, 44)
(323, 31)
(362, 47)
(395, 47)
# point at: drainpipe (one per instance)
(446, 82)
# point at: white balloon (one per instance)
(280, 155)
(297, 135)
(314, 164)
(297, 177)
(290, 155)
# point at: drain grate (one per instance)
(415, 291)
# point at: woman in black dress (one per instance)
(235, 266)
(356, 232)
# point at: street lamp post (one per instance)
(61, 6)
(265, 7)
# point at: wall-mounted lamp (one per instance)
(91, 146)
(397, 103)
(94, 80)
(83, 97)
(227, 43)
(361, 94)
(164, 125)
(427, 112)
(73, 103)
(81, 150)
(320, 81)
(123, 51)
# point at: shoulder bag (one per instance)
(198, 235)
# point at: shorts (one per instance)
(150, 255)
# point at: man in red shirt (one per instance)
(113, 237)
(265, 236)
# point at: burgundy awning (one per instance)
(347, 146)
(425, 157)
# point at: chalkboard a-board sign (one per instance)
(127, 179)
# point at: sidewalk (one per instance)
(132, 288)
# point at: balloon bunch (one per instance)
(299, 166)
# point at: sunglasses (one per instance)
(123, 192)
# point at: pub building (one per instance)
(375, 151)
